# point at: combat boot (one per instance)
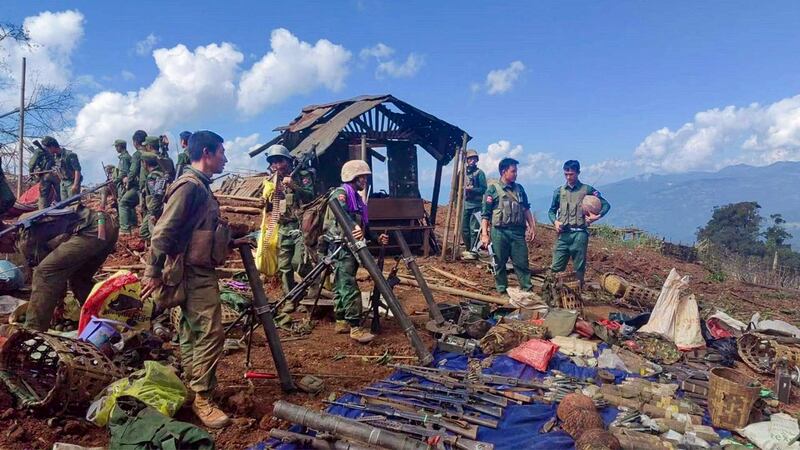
(209, 413)
(342, 327)
(361, 335)
(288, 308)
(468, 255)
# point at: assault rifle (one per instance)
(463, 393)
(454, 402)
(432, 437)
(42, 213)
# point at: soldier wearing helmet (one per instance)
(346, 295)
(474, 188)
(292, 191)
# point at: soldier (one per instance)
(291, 193)
(347, 296)
(83, 240)
(67, 166)
(155, 188)
(567, 215)
(188, 242)
(506, 208)
(127, 213)
(7, 197)
(40, 167)
(164, 160)
(132, 196)
(149, 145)
(474, 189)
(183, 155)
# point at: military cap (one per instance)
(152, 140)
(149, 157)
(49, 141)
(120, 142)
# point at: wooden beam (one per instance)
(456, 292)
(437, 184)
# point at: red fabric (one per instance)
(94, 304)
(30, 196)
(718, 329)
(610, 324)
(584, 328)
(535, 353)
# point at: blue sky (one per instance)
(625, 87)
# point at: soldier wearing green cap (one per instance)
(155, 188)
(40, 166)
(125, 210)
(183, 155)
(474, 188)
(131, 182)
(66, 165)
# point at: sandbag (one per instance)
(267, 250)
(662, 319)
(687, 333)
(118, 298)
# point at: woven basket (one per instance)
(53, 374)
(597, 439)
(582, 420)
(638, 295)
(614, 284)
(730, 397)
(762, 352)
(572, 402)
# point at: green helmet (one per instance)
(472, 153)
(278, 150)
(354, 168)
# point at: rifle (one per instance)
(42, 213)
(459, 378)
(454, 402)
(464, 393)
(299, 290)
(432, 437)
(492, 258)
(109, 178)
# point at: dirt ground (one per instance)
(250, 402)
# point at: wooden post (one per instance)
(453, 188)
(21, 129)
(365, 157)
(460, 200)
(437, 183)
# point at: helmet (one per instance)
(354, 168)
(49, 141)
(472, 153)
(278, 150)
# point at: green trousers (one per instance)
(469, 227)
(291, 252)
(66, 189)
(510, 243)
(145, 228)
(201, 334)
(72, 263)
(346, 294)
(571, 244)
(127, 210)
(48, 185)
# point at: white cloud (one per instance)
(389, 66)
(237, 149)
(127, 75)
(146, 45)
(533, 167)
(755, 134)
(291, 67)
(500, 81)
(379, 51)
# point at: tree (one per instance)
(735, 227)
(776, 235)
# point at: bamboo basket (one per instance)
(731, 396)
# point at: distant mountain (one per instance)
(674, 206)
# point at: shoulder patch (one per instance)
(489, 199)
(306, 181)
(342, 198)
(596, 193)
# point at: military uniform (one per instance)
(346, 294)
(153, 141)
(290, 239)
(126, 210)
(41, 161)
(573, 241)
(128, 201)
(155, 188)
(7, 197)
(64, 250)
(67, 165)
(504, 205)
(188, 242)
(473, 196)
(182, 162)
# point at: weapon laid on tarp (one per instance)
(455, 426)
(457, 379)
(261, 310)
(466, 394)
(328, 442)
(437, 324)
(34, 217)
(347, 428)
(433, 438)
(456, 403)
(359, 247)
(482, 377)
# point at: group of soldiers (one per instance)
(508, 226)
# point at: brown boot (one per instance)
(342, 327)
(361, 335)
(209, 413)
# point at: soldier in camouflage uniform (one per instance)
(475, 187)
(292, 193)
(67, 166)
(42, 161)
(506, 209)
(131, 198)
(346, 294)
(125, 211)
(570, 221)
(183, 155)
(155, 188)
(150, 145)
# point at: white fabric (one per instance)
(774, 434)
(676, 317)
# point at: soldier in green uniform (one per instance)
(183, 155)
(41, 164)
(131, 198)
(188, 242)
(149, 145)
(125, 210)
(346, 294)
(570, 221)
(475, 187)
(506, 209)
(164, 160)
(7, 197)
(67, 166)
(291, 193)
(65, 251)
(155, 188)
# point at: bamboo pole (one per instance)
(21, 130)
(457, 292)
(460, 201)
(454, 277)
(240, 198)
(453, 188)
(241, 210)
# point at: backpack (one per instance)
(312, 221)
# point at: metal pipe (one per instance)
(21, 129)
(408, 259)
(305, 440)
(348, 428)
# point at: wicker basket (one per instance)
(614, 284)
(638, 295)
(597, 439)
(582, 420)
(53, 374)
(730, 397)
(572, 402)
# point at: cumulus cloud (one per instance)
(500, 81)
(291, 67)
(389, 66)
(533, 167)
(127, 75)
(237, 149)
(754, 134)
(146, 45)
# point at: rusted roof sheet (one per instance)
(324, 136)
